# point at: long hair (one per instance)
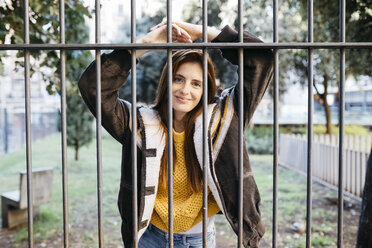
(194, 173)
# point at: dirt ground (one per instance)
(83, 233)
(324, 225)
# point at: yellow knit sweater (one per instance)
(187, 205)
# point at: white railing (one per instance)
(293, 155)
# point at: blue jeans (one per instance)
(156, 238)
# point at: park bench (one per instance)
(14, 203)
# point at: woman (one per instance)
(187, 138)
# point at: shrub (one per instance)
(259, 138)
(348, 129)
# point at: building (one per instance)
(44, 108)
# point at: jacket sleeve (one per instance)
(258, 70)
(115, 68)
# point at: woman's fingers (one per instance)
(180, 35)
(158, 26)
(185, 33)
(176, 29)
(159, 34)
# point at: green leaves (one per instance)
(44, 29)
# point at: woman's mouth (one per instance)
(182, 99)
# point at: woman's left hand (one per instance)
(194, 30)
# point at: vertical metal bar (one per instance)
(341, 129)
(205, 123)
(276, 126)
(309, 123)
(134, 127)
(63, 124)
(241, 127)
(170, 126)
(98, 125)
(28, 127)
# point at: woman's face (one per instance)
(187, 88)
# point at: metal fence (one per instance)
(310, 45)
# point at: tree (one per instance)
(44, 28)
(79, 121)
(293, 28)
(326, 29)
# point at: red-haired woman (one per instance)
(152, 155)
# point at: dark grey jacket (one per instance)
(223, 138)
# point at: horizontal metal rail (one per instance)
(284, 45)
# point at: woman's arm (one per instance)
(258, 70)
(115, 68)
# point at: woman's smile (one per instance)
(182, 99)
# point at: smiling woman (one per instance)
(187, 88)
(152, 142)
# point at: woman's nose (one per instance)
(185, 88)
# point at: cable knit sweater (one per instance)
(187, 205)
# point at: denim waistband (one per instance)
(175, 235)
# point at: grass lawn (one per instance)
(82, 191)
(83, 201)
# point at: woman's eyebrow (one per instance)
(179, 75)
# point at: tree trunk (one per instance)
(326, 106)
(77, 150)
(365, 222)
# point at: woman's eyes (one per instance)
(181, 80)
(178, 79)
(196, 84)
